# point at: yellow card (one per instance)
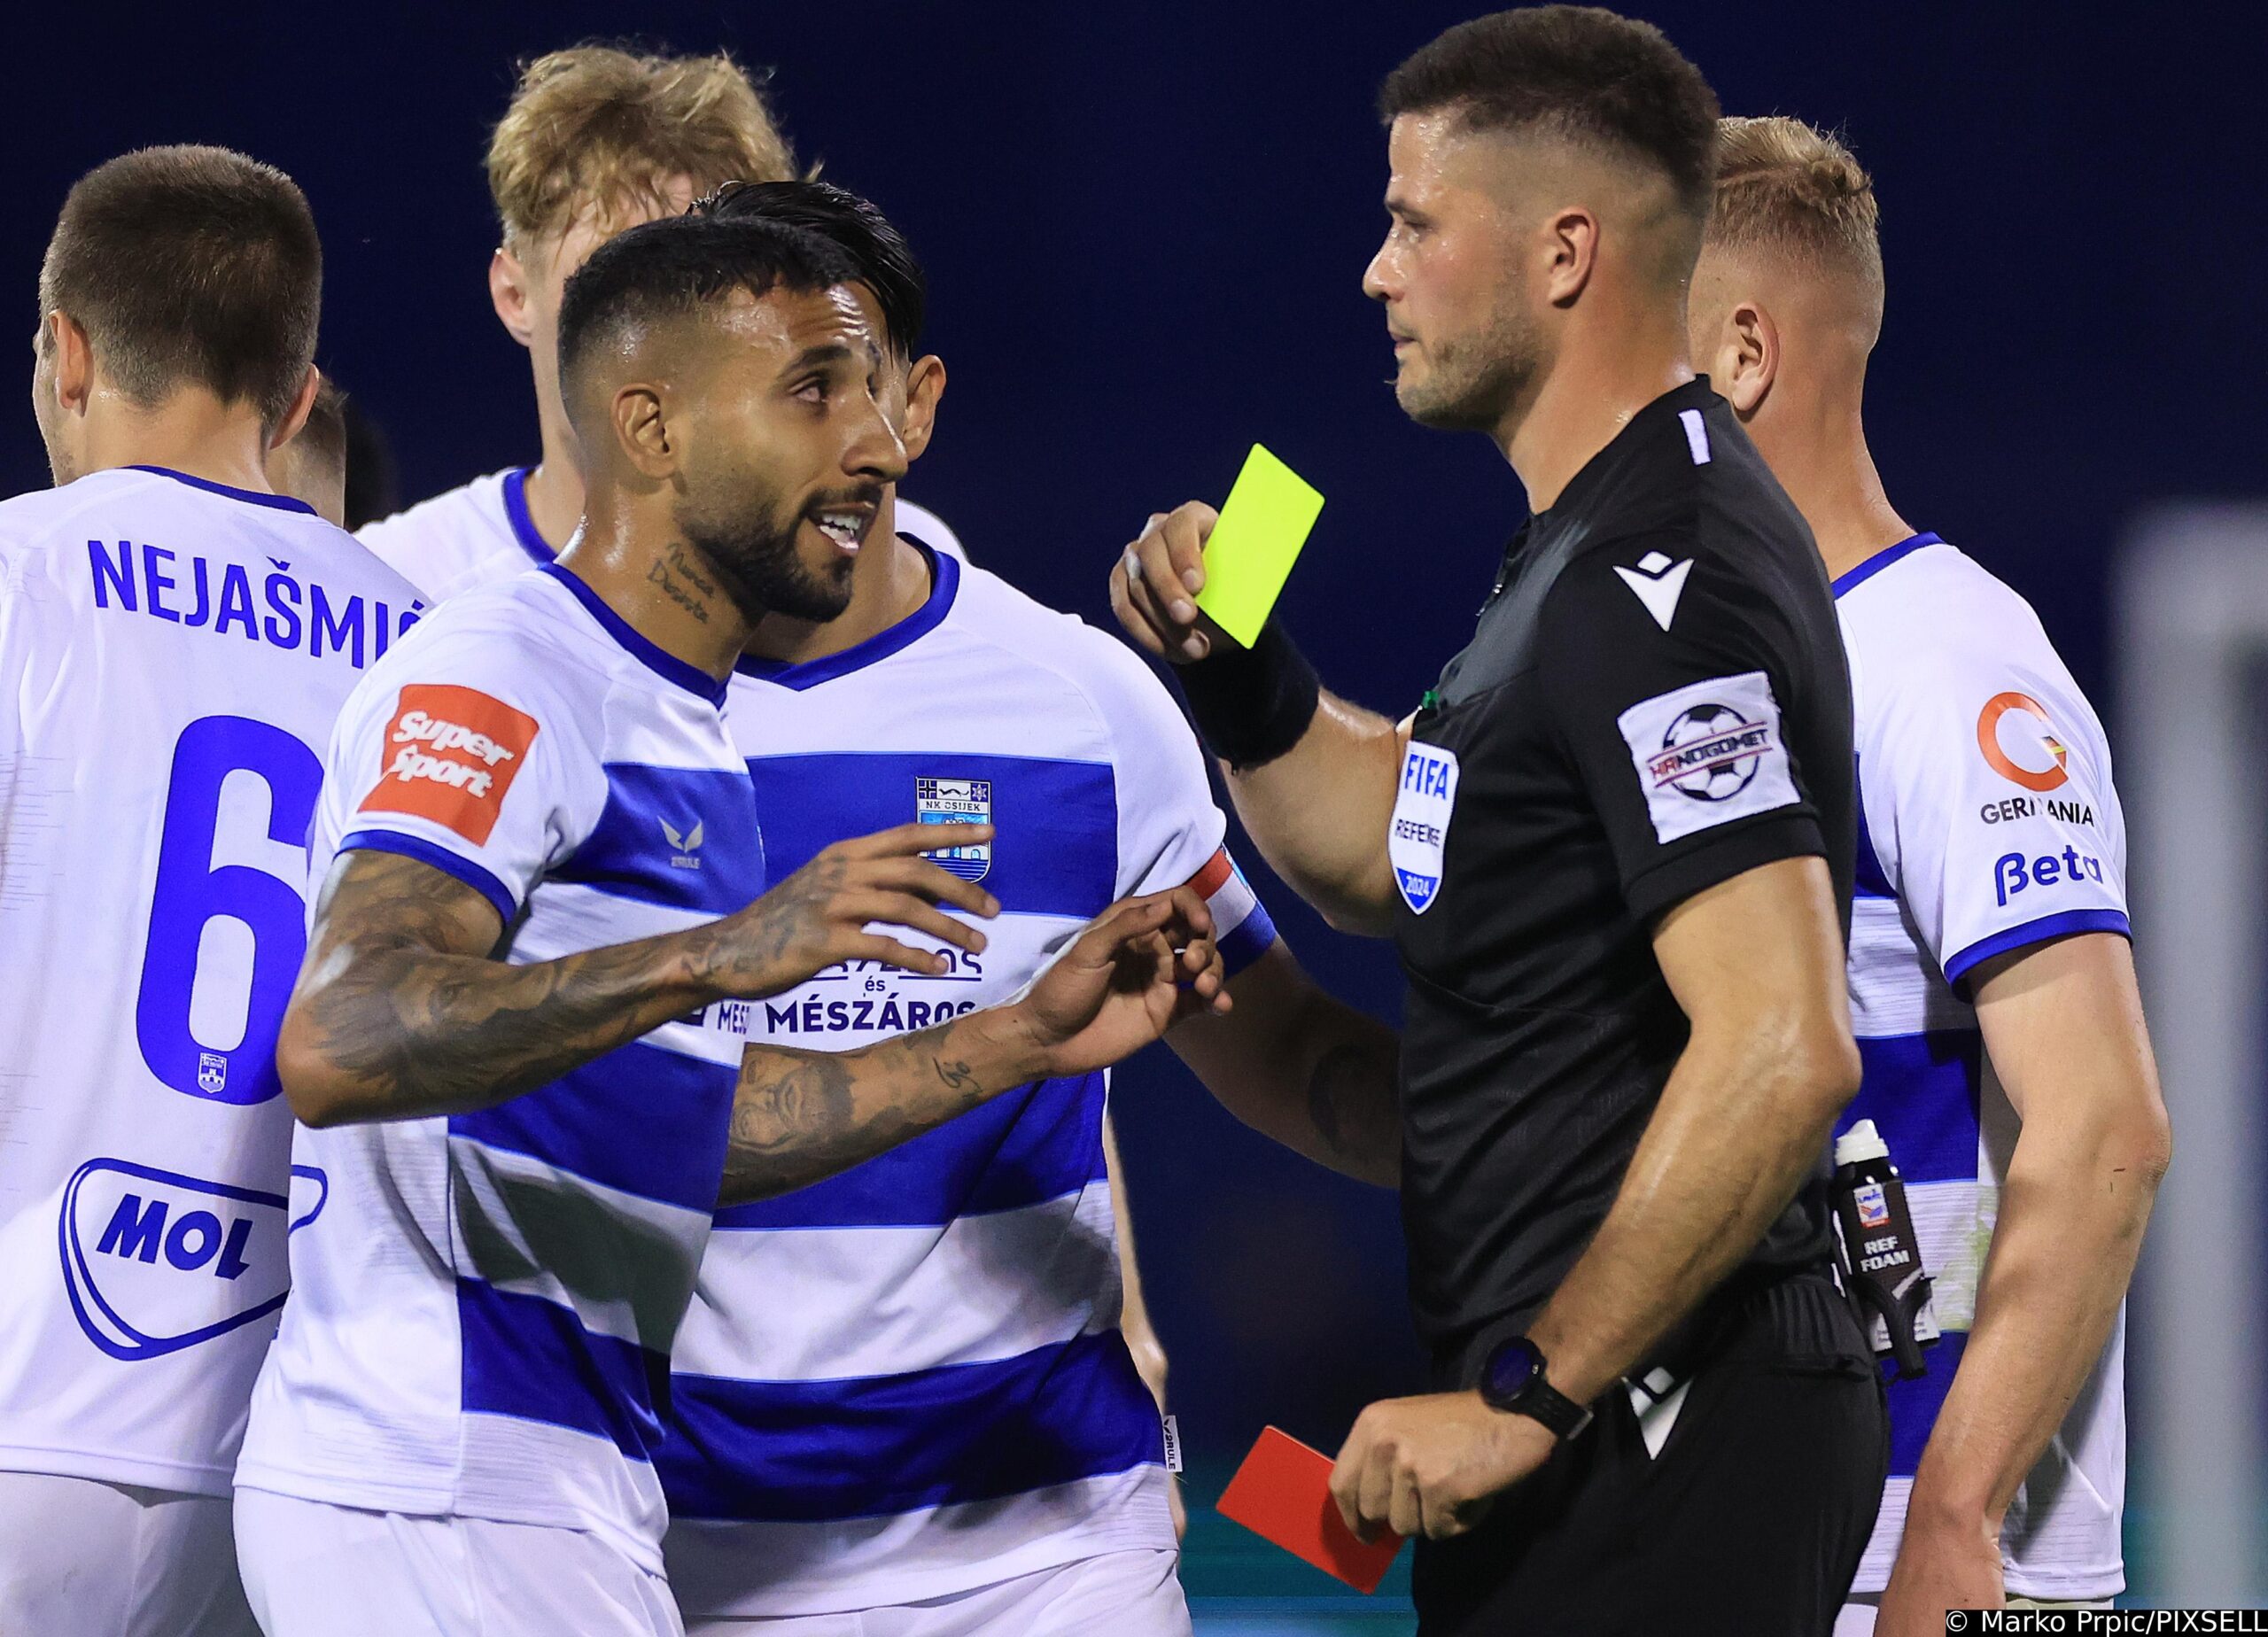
(1264, 525)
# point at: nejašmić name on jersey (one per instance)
(480, 1323)
(174, 653)
(908, 1380)
(1990, 824)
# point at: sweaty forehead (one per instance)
(788, 323)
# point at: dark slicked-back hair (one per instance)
(189, 266)
(1576, 72)
(676, 267)
(886, 261)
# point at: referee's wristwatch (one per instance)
(1511, 1380)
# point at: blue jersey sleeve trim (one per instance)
(1251, 938)
(646, 651)
(522, 521)
(1882, 560)
(281, 502)
(2041, 931)
(441, 858)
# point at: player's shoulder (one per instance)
(481, 498)
(1025, 633)
(518, 633)
(440, 544)
(1926, 612)
(918, 523)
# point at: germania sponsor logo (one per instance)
(1709, 753)
(452, 754)
(2019, 742)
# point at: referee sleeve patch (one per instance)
(1708, 753)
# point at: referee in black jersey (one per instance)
(1613, 845)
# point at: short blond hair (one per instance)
(598, 128)
(1794, 190)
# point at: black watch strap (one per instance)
(1544, 1402)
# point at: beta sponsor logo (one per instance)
(2020, 744)
(451, 754)
(155, 1261)
(2013, 872)
(2064, 810)
(1710, 753)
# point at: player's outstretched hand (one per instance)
(1142, 965)
(1154, 587)
(821, 914)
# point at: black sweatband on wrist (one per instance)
(1251, 704)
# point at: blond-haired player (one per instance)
(596, 139)
(1992, 984)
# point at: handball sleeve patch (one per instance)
(1708, 753)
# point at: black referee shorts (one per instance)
(1749, 1522)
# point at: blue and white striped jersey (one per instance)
(172, 654)
(480, 1322)
(1989, 823)
(908, 1380)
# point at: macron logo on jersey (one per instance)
(451, 754)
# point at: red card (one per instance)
(1282, 1493)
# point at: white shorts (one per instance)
(82, 1558)
(1857, 1618)
(312, 1569)
(1113, 1594)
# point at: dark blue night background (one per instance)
(1144, 229)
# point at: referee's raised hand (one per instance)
(1154, 587)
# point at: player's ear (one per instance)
(509, 285)
(1748, 357)
(1571, 252)
(642, 430)
(925, 385)
(296, 417)
(73, 361)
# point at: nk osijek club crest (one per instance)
(957, 801)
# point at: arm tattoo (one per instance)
(1343, 1103)
(800, 1117)
(398, 1002)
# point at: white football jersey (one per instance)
(481, 1318)
(908, 1380)
(173, 653)
(1988, 823)
(481, 532)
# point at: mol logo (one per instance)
(156, 1262)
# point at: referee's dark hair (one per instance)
(678, 267)
(887, 264)
(1586, 75)
(189, 266)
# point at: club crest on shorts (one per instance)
(957, 801)
(1420, 831)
